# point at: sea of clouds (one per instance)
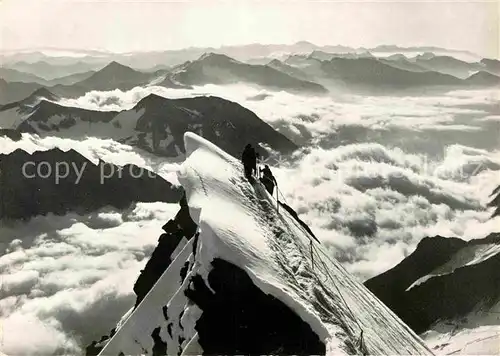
(374, 175)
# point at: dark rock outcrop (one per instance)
(160, 346)
(14, 135)
(451, 294)
(182, 226)
(175, 229)
(39, 123)
(495, 202)
(248, 320)
(58, 182)
(93, 349)
(223, 122)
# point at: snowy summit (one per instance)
(252, 280)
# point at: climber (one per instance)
(258, 157)
(268, 179)
(249, 160)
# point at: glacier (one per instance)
(244, 239)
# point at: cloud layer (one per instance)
(67, 280)
(375, 175)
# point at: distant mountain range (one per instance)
(372, 72)
(14, 91)
(14, 75)
(395, 72)
(314, 73)
(156, 124)
(214, 68)
(50, 72)
(145, 60)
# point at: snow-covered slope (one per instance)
(253, 282)
(477, 333)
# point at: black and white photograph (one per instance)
(245, 177)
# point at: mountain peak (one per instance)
(396, 56)
(426, 55)
(215, 58)
(151, 100)
(305, 43)
(114, 65)
(115, 76)
(43, 93)
(275, 62)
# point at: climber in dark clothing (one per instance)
(249, 160)
(268, 179)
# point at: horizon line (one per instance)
(100, 51)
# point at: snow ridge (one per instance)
(239, 223)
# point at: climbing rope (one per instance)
(201, 181)
(360, 344)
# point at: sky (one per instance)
(126, 26)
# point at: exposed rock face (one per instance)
(495, 202)
(445, 278)
(241, 319)
(156, 124)
(57, 182)
(14, 135)
(182, 226)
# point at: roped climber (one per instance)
(249, 160)
(268, 179)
